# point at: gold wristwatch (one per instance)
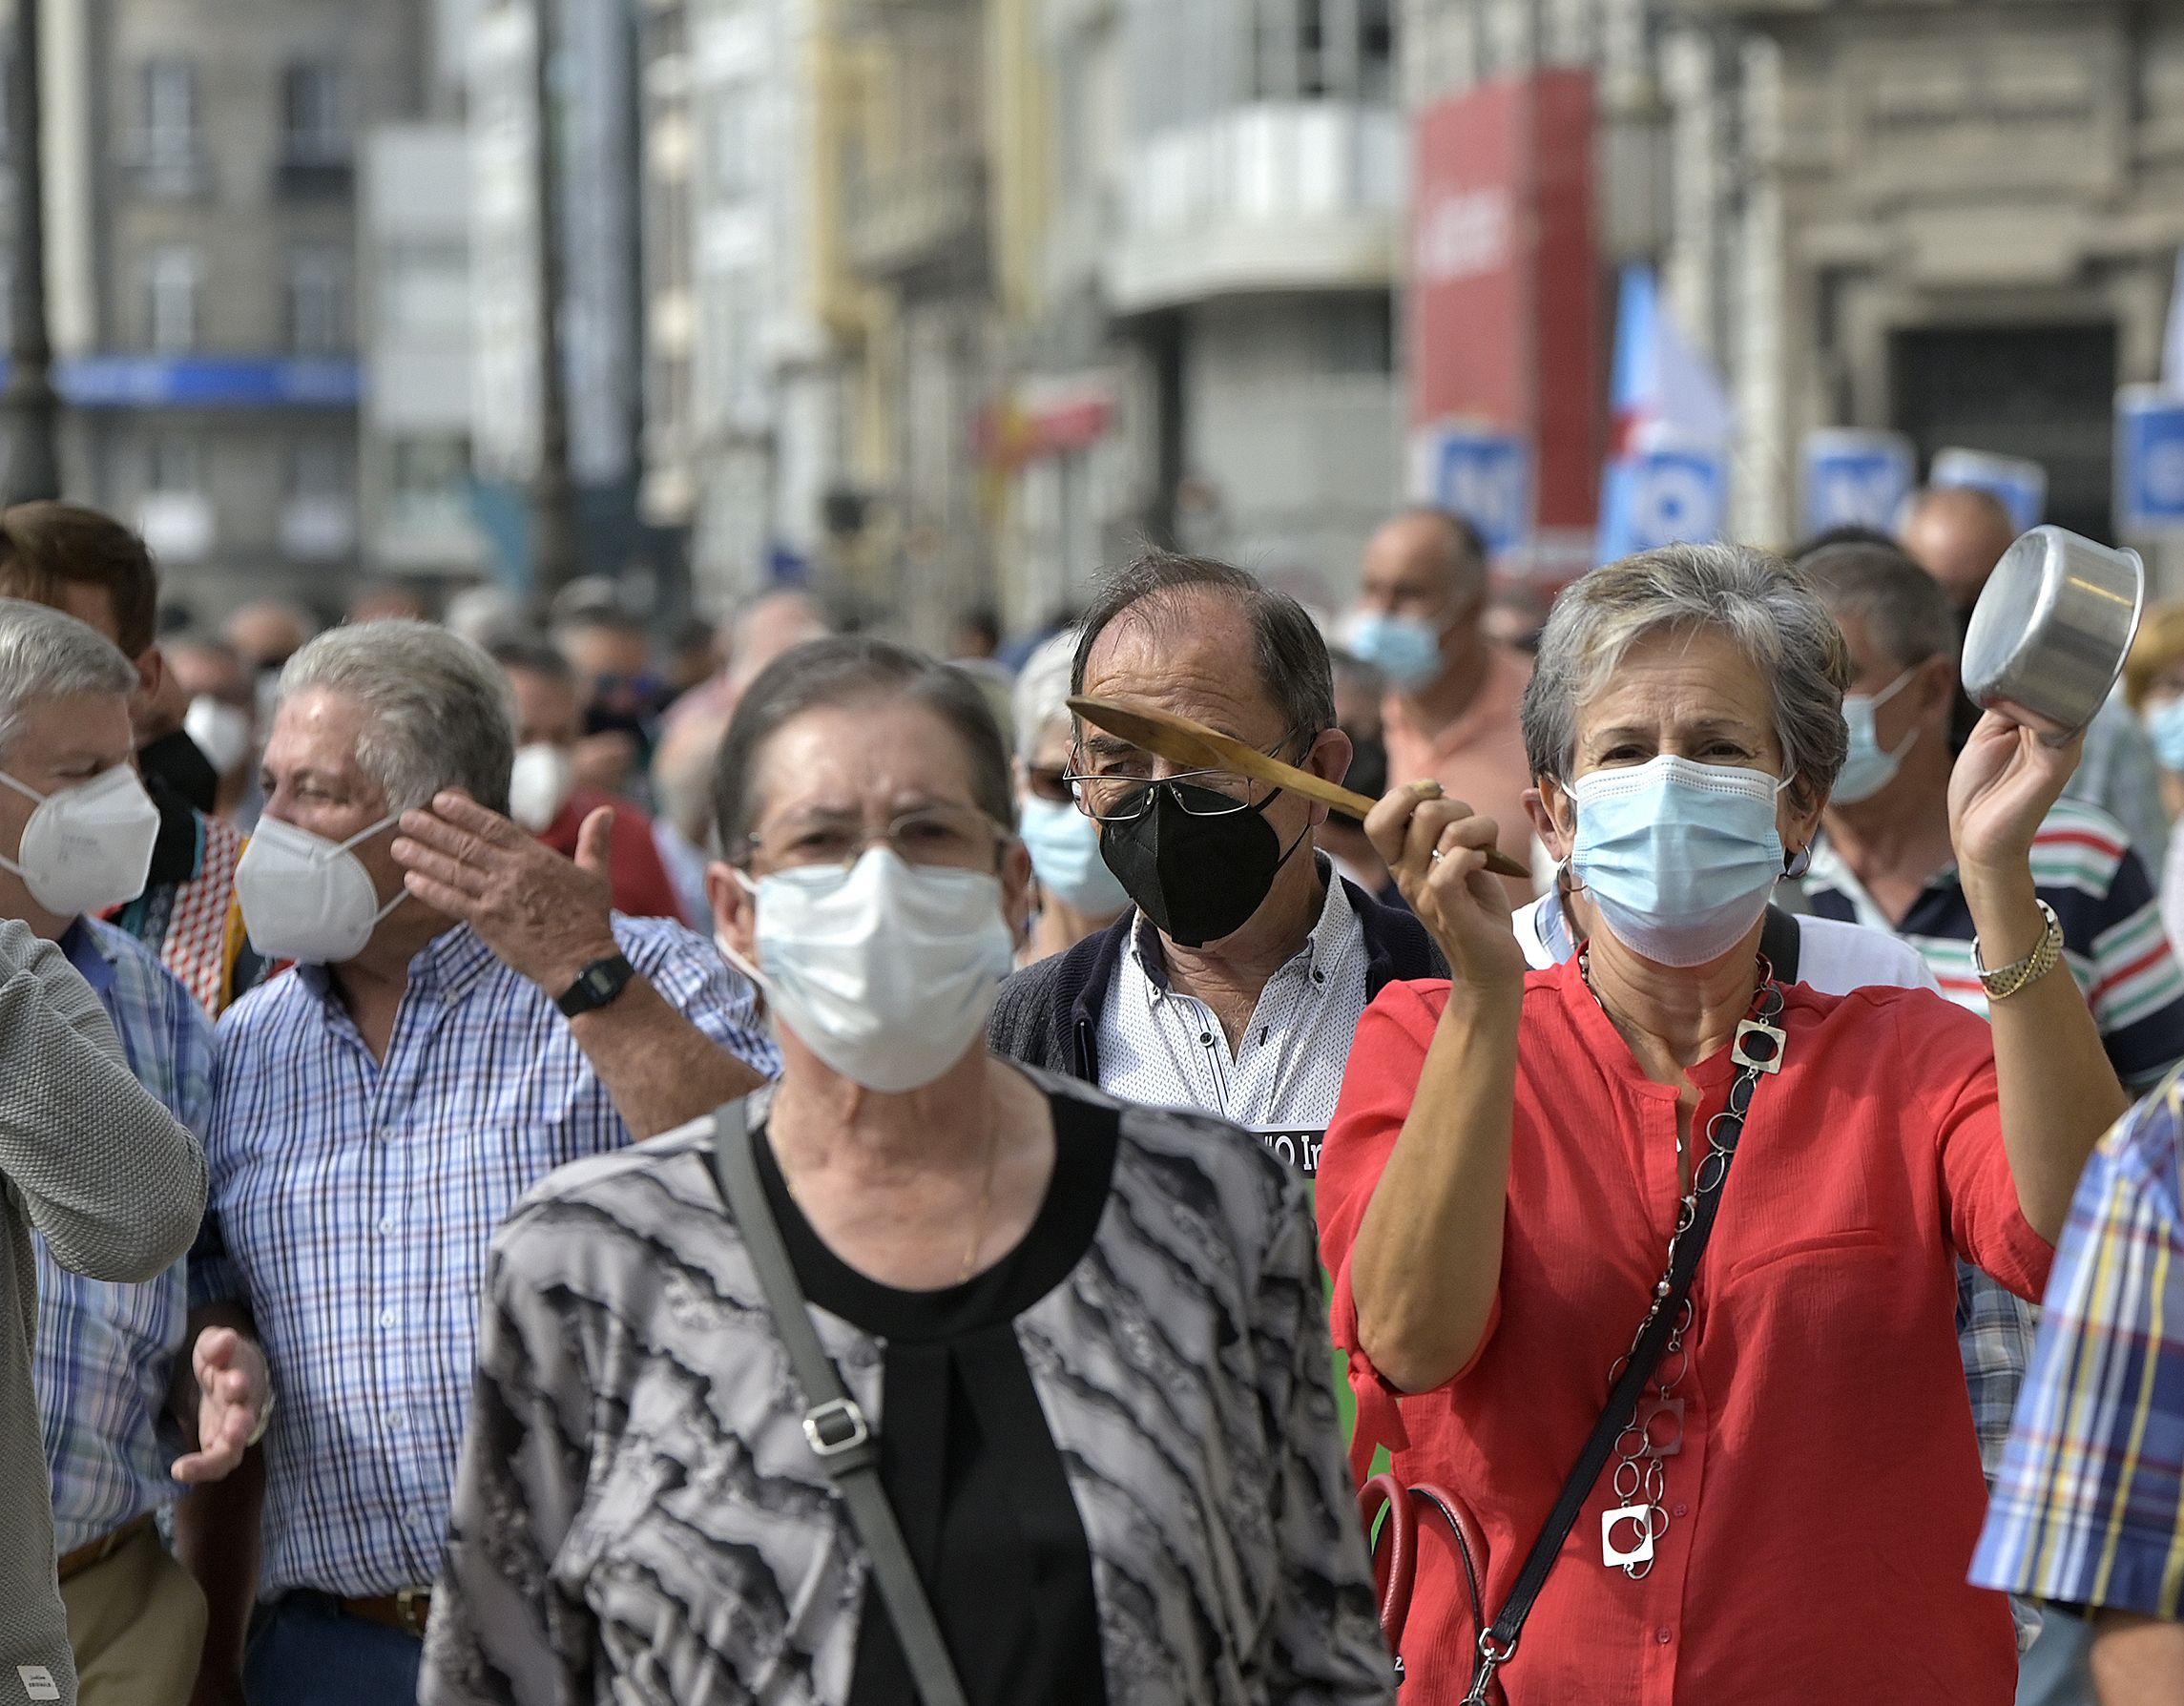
(2001, 985)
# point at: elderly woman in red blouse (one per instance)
(1792, 1517)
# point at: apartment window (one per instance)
(172, 281)
(173, 466)
(314, 115)
(1311, 50)
(167, 112)
(318, 303)
(429, 472)
(732, 143)
(729, 377)
(424, 290)
(319, 469)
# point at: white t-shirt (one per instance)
(1833, 957)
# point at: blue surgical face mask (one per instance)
(1679, 858)
(1867, 769)
(2165, 728)
(1064, 844)
(1404, 649)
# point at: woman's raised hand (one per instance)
(1437, 848)
(2006, 781)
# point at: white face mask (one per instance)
(88, 847)
(307, 898)
(886, 970)
(221, 731)
(540, 784)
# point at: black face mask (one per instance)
(1198, 879)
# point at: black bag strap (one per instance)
(1780, 937)
(1499, 1641)
(841, 1436)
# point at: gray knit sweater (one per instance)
(88, 1158)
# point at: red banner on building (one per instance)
(1504, 282)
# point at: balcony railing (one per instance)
(1274, 196)
(920, 213)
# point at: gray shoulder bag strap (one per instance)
(840, 1437)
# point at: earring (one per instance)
(1798, 864)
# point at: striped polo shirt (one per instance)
(2112, 939)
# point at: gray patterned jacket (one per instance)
(637, 1517)
(89, 1160)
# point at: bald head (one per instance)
(1957, 533)
(268, 633)
(773, 624)
(1424, 554)
(1426, 568)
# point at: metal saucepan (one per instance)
(2048, 636)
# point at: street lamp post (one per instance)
(30, 405)
(554, 494)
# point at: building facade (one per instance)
(201, 189)
(744, 388)
(1205, 355)
(1958, 222)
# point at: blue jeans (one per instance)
(2054, 1673)
(306, 1652)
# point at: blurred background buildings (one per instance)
(938, 303)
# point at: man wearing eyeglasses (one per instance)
(1234, 982)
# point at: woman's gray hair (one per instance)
(1043, 691)
(844, 671)
(44, 655)
(439, 712)
(1764, 606)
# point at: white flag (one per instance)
(2172, 341)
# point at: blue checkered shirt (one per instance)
(352, 1204)
(105, 1353)
(2089, 1507)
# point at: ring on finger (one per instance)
(1434, 858)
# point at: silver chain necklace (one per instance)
(1653, 1434)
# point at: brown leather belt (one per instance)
(75, 1563)
(405, 1611)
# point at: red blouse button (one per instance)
(1664, 1635)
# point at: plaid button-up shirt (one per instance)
(2089, 1507)
(352, 1203)
(105, 1352)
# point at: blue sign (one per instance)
(2020, 483)
(2149, 460)
(205, 382)
(1855, 478)
(1485, 478)
(1677, 496)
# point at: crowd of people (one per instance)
(553, 1162)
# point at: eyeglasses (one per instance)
(959, 836)
(1050, 783)
(1118, 788)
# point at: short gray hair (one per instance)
(45, 656)
(439, 712)
(1043, 691)
(1904, 608)
(1762, 605)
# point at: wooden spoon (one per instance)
(1182, 741)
